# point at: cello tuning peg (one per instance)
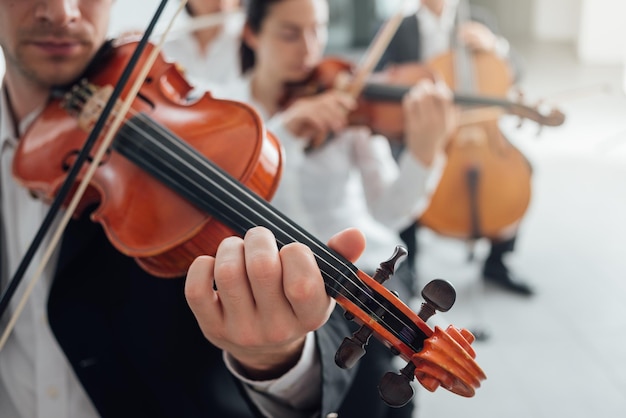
(353, 348)
(395, 388)
(387, 268)
(439, 295)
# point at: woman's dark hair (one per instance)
(256, 12)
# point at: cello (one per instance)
(485, 188)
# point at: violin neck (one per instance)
(379, 92)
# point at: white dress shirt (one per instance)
(36, 381)
(219, 62)
(436, 31)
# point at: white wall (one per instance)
(596, 27)
(556, 20)
(602, 36)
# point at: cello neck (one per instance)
(464, 73)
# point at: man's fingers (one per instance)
(200, 292)
(350, 243)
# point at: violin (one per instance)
(183, 174)
(379, 103)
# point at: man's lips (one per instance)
(57, 47)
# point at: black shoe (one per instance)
(495, 272)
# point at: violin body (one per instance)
(142, 217)
(485, 187)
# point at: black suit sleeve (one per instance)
(354, 392)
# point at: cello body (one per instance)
(485, 188)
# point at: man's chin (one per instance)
(59, 75)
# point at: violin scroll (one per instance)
(447, 358)
(539, 113)
(442, 358)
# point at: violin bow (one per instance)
(74, 171)
(375, 51)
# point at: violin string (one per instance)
(82, 187)
(263, 205)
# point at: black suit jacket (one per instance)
(136, 347)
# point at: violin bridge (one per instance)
(87, 101)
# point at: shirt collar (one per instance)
(7, 128)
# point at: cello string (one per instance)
(56, 237)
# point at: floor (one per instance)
(561, 353)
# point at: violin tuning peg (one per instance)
(387, 268)
(439, 295)
(395, 388)
(353, 348)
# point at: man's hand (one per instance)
(266, 300)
